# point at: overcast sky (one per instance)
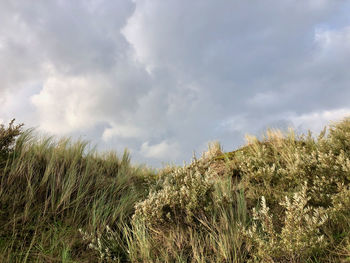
(165, 77)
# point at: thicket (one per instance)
(283, 198)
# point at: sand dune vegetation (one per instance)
(282, 198)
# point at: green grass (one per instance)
(49, 189)
(285, 198)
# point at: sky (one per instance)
(164, 78)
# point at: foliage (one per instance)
(284, 198)
(185, 194)
(7, 139)
(64, 185)
(299, 237)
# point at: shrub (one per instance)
(213, 238)
(184, 195)
(338, 138)
(279, 165)
(7, 139)
(299, 237)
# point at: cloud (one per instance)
(316, 121)
(123, 131)
(65, 104)
(161, 151)
(164, 77)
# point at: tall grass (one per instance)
(213, 238)
(285, 198)
(49, 189)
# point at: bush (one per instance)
(279, 166)
(185, 195)
(7, 139)
(299, 238)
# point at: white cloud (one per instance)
(123, 131)
(156, 75)
(66, 104)
(316, 121)
(328, 37)
(162, 151)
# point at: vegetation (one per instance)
(284, 198)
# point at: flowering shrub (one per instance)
(184, 194)
(278, 166)
(106, 244)
(207, 211)
(299, 236)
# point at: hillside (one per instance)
(285, 198)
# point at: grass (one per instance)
(284, 198)
(49, 189)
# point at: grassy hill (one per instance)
(285, 198)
